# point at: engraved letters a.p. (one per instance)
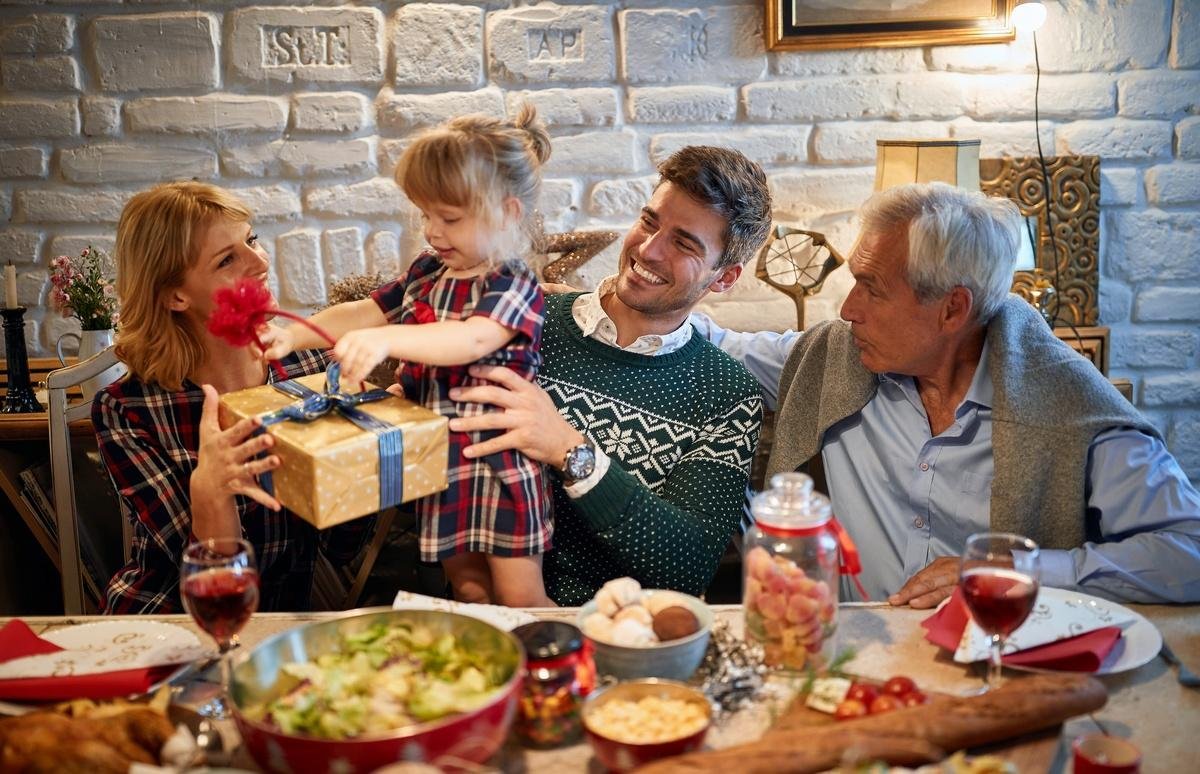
(554, 44)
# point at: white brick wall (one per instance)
(303, 109)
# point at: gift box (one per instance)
(344, 455)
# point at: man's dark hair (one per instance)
(733, 186)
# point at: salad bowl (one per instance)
(460, 739)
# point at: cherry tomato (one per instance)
(885, 702)
(899, 685)
(850, 708)
(864, 692)
(914, 698)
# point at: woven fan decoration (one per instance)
(796, 262)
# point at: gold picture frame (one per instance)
(1075, 216)
(793, 25)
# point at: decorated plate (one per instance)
(108, 646)
(505, 618)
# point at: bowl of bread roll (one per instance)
(638, 632)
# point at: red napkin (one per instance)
(18, 640)
(1082, 653)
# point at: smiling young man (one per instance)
(650, 428)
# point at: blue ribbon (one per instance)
(314, 405)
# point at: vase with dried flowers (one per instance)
(84, 288)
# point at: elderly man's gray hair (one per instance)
(955, 237)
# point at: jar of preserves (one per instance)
(559, 674)
(790, 574)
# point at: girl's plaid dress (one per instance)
(498, 504)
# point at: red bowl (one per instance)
(467, 738)
(623, 756)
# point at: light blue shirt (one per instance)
(907, 497)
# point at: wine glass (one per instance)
(999, 580)
(219, 586)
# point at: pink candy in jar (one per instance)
(791, 574)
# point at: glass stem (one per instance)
(994, 667)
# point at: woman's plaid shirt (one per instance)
(148, 440)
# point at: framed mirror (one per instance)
(817, 24)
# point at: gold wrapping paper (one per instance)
(329, 471)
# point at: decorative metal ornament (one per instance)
(576, 248)
(1075, 218)
(796, 262)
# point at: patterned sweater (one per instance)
(681, 430)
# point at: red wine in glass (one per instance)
(219, 586)
(999, 581)
(221, 600)
(999, 600)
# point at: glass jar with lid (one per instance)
(559, 674)
(790, 574)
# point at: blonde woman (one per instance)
(469, 299)
(178, 476)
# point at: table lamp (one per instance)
(898, 162)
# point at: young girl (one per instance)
(469, 299)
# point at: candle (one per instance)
(10, 286)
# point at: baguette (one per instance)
(906, 737)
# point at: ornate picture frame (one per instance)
(792, 25)
(1075, 216)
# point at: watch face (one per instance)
(581, 462)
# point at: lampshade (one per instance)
(925, 161)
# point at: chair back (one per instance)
(62, 471)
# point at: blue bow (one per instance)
(314, 405)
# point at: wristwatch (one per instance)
(579, 463)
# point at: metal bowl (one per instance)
(619, 755)
(674, 659)
(465, 738)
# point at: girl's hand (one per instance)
(225, 463)
(280, 342)
(360, 351)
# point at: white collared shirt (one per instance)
(595, 323)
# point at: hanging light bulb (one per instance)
(1029, 16)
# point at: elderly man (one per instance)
(650, 428)
(943, 406)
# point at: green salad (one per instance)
(379, 680)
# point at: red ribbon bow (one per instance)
(244, 307)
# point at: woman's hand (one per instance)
(226, 464)
(280, 342)
(360, 351)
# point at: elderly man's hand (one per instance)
(929, 586)
(529, 418)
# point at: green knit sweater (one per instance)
(681, 430)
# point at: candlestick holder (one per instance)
(20, 398)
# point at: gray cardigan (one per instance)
(1049, 404)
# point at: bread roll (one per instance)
(910, 736)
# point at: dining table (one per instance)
(1147, 704)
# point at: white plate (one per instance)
(505, 618)
(108, 646)
(1139, 642)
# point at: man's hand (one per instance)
(360, 351)
(929, 586)
(532, 423)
